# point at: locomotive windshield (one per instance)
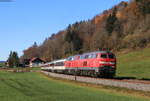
(110, 55)
(104, 56)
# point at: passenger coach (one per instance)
(54, 66)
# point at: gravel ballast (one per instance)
(107, 82)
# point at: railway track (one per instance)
(140, 85)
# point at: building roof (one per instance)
(35, 59)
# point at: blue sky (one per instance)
(23, 22)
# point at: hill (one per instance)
(124, 26)
(2, 61)
(135, 64)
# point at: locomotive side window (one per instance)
(77, 58)
(90, 56)
(104, 56)
(95, 55)
(86, 56)
(69, 59)
(81, 57)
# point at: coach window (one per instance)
(61, 63)
(51, 64)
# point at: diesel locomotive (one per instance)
(95, 64)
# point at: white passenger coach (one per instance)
(54, 66)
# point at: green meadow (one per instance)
(2, 64)
(134, 64)
(31, 86)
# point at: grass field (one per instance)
(36, 87)
(134, 64)
(2, 64)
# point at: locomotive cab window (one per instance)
(104, 56)
(111, 56)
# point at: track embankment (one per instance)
(130, 84)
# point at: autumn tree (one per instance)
(124, 26)
(31, 52)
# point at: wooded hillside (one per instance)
(126, 25)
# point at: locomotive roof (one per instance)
(72, 57)
(96, 52)
(91, 53)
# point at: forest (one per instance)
(124, 26)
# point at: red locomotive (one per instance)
(96, 64)
(101, 63)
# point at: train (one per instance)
(95, 64)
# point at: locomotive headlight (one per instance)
(103, 62)
(112, 63)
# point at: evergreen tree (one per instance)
(143, 6)
(75, 42)
(13, 59)
(10, 61)
(35, 44)
(69, 36)
(110, 22)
